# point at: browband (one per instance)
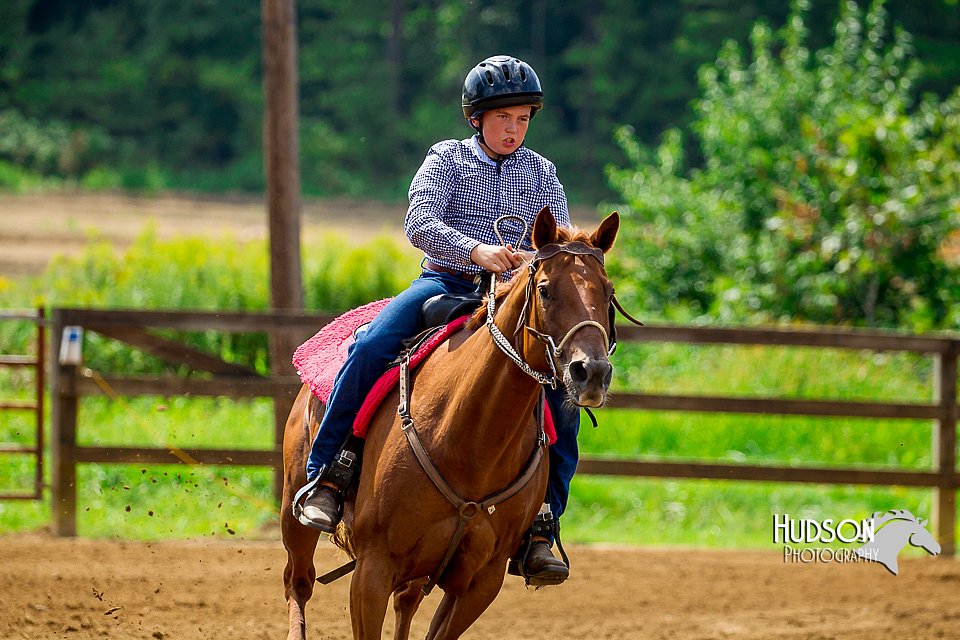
(576, 247)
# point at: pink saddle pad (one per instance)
(319, 359)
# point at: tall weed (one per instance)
(201, 274)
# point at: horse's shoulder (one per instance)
(450, 351)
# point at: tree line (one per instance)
(156, 94)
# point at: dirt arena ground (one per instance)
(80, 589)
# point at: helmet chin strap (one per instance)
(478, 127)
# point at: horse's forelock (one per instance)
(573, 234)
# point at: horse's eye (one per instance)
(543, 291)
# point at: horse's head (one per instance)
(920, 537)
(893, 529)
(568, 302)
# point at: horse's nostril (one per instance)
(578, 371)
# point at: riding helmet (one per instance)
(501, 81)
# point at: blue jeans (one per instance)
(372, 352)
(564, 453)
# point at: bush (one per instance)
(825, 193)
(30, 149)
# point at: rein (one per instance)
(547, 380)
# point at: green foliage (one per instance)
(338, 280)
(30, 150)
(173, 88)
(825, 195)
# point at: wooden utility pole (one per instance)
(282, 166)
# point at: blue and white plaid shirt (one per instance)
(459, 191)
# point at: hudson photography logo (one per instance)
(877, 539)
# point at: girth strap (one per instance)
(466, 509)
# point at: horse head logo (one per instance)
(892, 531)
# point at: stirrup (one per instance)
(340, 474)
(544, 526)
(300, 497)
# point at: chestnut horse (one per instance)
(472, 405)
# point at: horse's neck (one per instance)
(495, 395)
(891, 535)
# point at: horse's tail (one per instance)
(343, 539)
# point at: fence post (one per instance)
(40, 383)
(945, 447)
(64, 436)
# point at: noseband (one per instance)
(553, 348)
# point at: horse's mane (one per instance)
(564, 235)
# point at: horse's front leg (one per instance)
(406, 601)
(370, 591)
(457, 612)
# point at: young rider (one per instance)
(461, 188)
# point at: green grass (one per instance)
(156, 501)
(713, 513)
(736, 513)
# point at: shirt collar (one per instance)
(479, 152)
(482, 155)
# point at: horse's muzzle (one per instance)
(587, 381)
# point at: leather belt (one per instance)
(433, 266)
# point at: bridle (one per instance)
(553, 348)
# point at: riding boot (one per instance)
(534, 561)
(541, 567)
(322, 508)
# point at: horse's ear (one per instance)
(605, 235)
(544, 229)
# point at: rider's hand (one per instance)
(495, 258)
